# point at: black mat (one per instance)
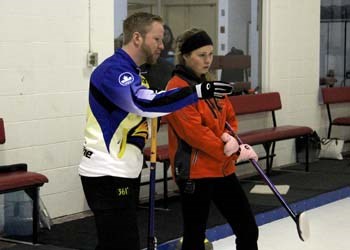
(324, 176)
(37, 247)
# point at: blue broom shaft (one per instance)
(266, 179)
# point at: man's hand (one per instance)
(231, 144)
(210, 89)
(246, 153)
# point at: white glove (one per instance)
(212, 89)
(231, 144)
(246, 153)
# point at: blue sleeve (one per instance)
(124, 89)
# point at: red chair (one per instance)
(16, 178)
(333, 96)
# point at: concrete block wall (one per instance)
(43, 91)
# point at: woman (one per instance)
(203, 153)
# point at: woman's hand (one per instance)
(231, 145)
(246, 152)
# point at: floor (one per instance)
(324, 193)
(329, 229)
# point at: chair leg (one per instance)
(35, 215)
(268, 164)
(329, 130)
(33, 193)
(307, 138)
(272, 154)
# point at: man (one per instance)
(117, 127)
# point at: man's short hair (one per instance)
(138, 22)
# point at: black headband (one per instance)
(196, 41)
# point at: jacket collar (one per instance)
(125, 56)
(187, 74)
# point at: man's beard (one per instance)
(150, 58)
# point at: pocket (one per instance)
(182, 161)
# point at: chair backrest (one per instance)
(2, 132)
(336, 95)
(230, 62)
(249, 104)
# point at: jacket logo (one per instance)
(87, 153)
(123, 191)
(125, 78)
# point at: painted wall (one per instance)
(43, 92)
(290, 58)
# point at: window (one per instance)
(234, 26)
(335, 43)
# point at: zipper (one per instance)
(212, 108)
(195, 157)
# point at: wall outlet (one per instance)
(92, 59)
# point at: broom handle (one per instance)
(154, 131)
(264, 176)
(152, 241)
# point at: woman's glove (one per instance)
(246, 152)
(231, 144)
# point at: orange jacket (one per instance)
(195, 148)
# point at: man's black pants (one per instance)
(113, 201)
